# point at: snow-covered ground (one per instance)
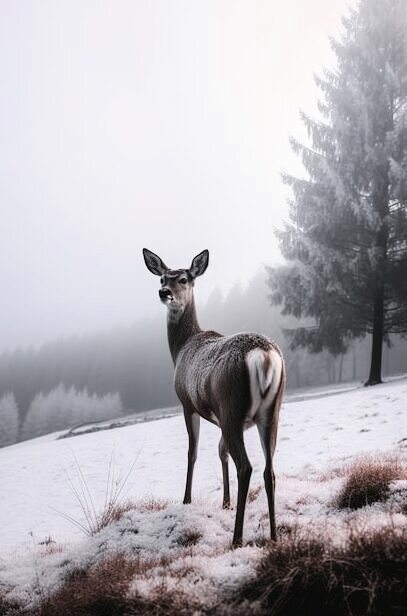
(316, 434)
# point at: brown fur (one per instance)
(212, 381)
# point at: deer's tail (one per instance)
(267, 380)
(265, 371)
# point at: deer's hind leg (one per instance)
(233, 437)
(192, 422)
(224, 458)
(268, 434)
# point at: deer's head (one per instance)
(176, 284)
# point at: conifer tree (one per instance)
(63, 408)
(346, 241)
(8, 420)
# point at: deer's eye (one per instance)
(183, 280)
(162, 280)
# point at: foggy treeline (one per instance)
(135, 362)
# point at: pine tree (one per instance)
(63, 408)
(8, 420)
(346, 242)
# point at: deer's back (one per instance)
(211, 371)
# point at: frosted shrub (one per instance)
(368, 481)
(62, 408)
(8, 420)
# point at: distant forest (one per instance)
(135, 361)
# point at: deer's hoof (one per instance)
(186, 501)
(226, 505)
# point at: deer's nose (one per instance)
(164, 293)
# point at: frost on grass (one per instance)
(184, 548)
(103, 589)
(368, 481)
(115, 502)
(298, 575)
(168, 551)
(177, 558)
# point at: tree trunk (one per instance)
(386, 360)
(340, 368)
(381, 206)
(297, 375)
(375, 376)
(331, 369)
(354, 370)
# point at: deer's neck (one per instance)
(181, 327)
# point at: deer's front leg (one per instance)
(192, 421)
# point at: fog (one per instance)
(144, 123)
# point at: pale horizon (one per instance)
(131, 124)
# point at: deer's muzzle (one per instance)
(165, 295)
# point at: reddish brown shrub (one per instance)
(151, 504)
(299, 577)
(368, 482)
(103, 590)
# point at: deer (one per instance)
(233, 381)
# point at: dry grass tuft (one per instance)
(254, 493)
(4, 606)
(118, 511)
(189, 537)
(53, 548)
(103, 590)
(333, 472)
(368, 482)
(7, 607)
(114, 507)
(151, 504)
(297, 576)
(48, 546)
(91, 591)
(307, 577)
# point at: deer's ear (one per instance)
(154, 263)
(199, 264)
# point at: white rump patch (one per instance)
(265, 369)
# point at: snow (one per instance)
(316, 434)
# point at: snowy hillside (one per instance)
(318, 436)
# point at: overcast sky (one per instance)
(136, 123)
